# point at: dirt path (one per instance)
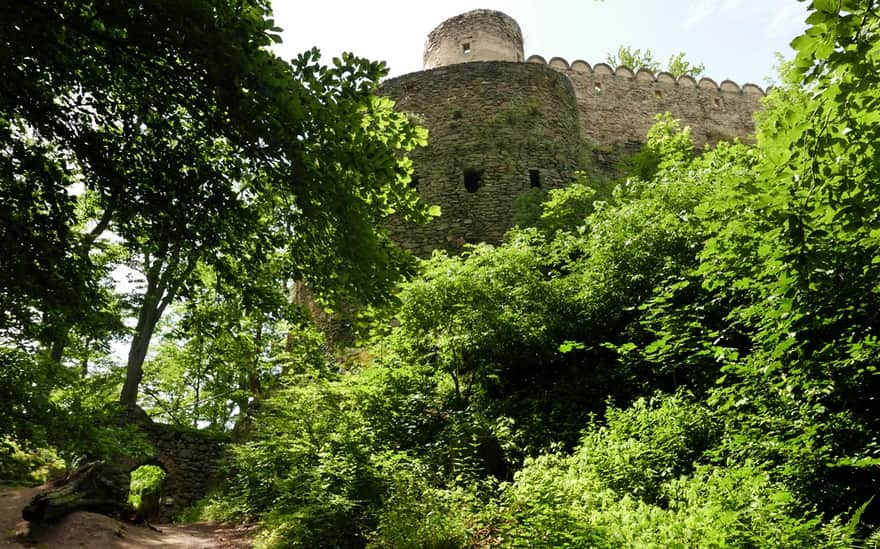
(91, 530)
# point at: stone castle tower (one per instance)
(500, 125)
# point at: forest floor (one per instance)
(92, 530)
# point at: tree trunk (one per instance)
(151, 310)
(162, 287)
(198, 387)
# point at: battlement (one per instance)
(643, 75)
(617, 105)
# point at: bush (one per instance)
(309, 475)
(24, 465)
(418, 514)
(145, 479)
(631, 484)
(652, 442)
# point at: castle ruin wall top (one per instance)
(478, 35)
(618, 105)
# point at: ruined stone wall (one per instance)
(513, 124)
(479, 35)
(190, 459)
(618, 106)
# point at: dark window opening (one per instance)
(717, 102)
(414, 181)
(472, 180)
(466, 47)
(535, 178)
(597, 87)
(659, 94)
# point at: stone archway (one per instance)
(189, 457)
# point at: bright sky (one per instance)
(735, 39)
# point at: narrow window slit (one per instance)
(535, 178)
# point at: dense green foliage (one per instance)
(685, 357)
(165, 143)
(145, 479)
(169, 139)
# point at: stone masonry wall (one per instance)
(479, 35)
(618, 106)
(507, 122)
(190, 459)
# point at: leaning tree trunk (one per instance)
(165, 274)
(137, 353)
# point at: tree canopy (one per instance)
(173, 130)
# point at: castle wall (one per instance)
(498, 125)
(479, 35)
(618, 106)
(506, 122)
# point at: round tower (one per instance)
(496, 130)
(478, 35)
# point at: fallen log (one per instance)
(97, 487)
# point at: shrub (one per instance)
(641, 447)
(418, 514)
(632, 484)
(25, 465)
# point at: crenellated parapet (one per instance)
(643, 75)
(618, 105)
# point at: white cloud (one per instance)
(699, 11)
(788, 22)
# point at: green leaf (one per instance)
(569, 346)
(827, 6)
